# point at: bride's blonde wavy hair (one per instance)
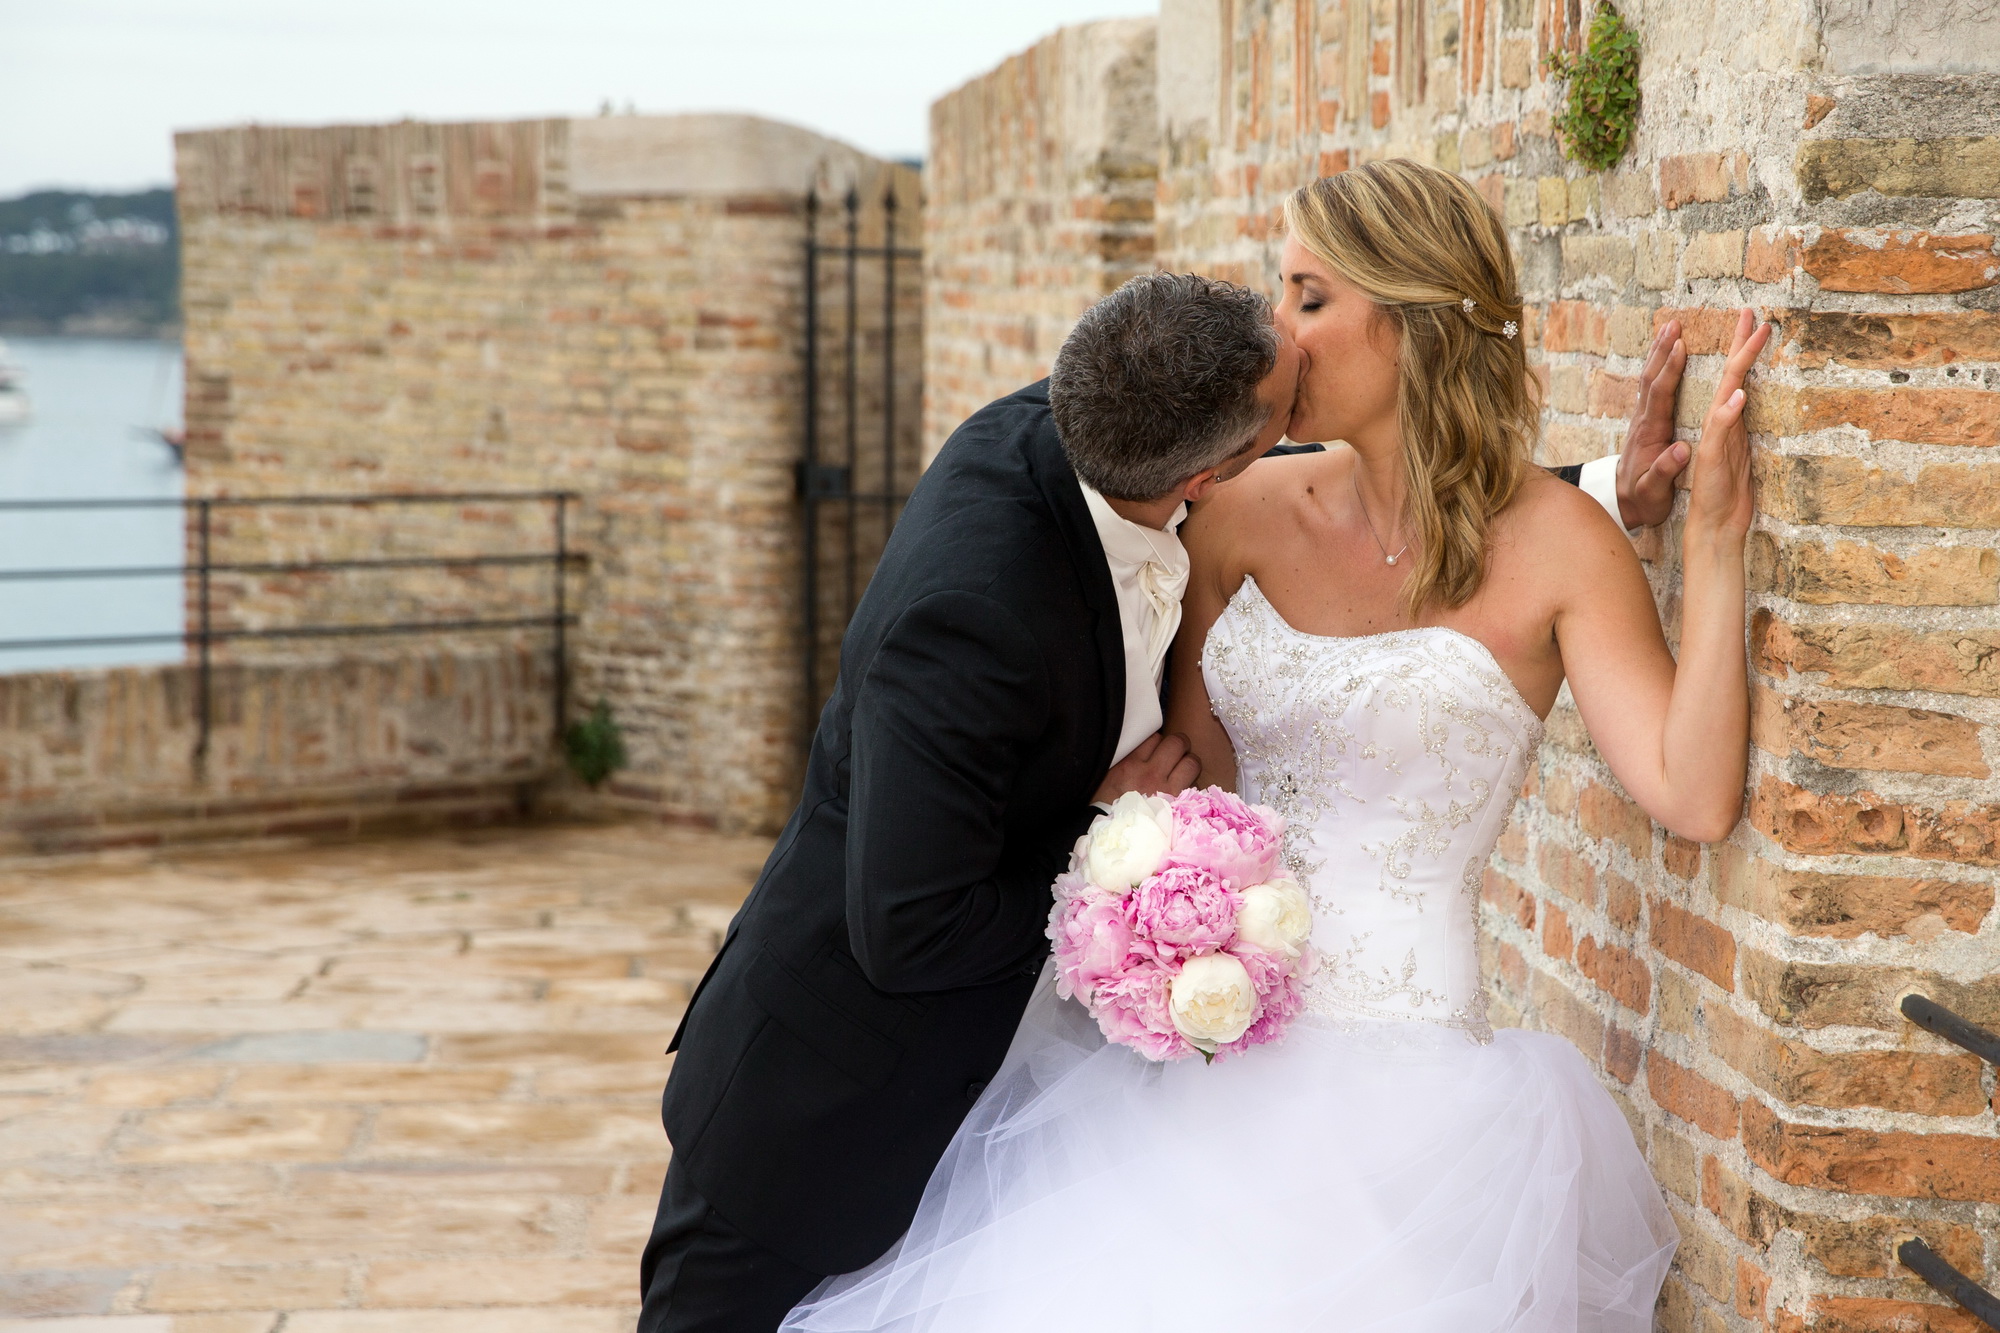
(1419, 243)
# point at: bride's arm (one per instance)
(1188, 713)
(1676, 734)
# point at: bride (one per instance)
(1372, 637)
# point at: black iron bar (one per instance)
(888, 360)
(101, 572)
(1934, 1017)
(293, 632)
(360, 499)
(1947, 1281)
(103, 641)
(270, 567)
(386, 627)
(560, 574)
(808, 500)
(853, 368)
(874, 251)
(202, 636)
(205, 718)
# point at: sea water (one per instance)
(98, 406)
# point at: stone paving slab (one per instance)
(405, 1086)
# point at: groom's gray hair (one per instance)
(1158, 381)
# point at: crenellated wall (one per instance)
(1838, 166)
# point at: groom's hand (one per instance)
(1161, 763)
(1650, 460)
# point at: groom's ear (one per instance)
(1200, 484)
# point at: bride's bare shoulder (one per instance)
(1269, 496)
(1550, 520)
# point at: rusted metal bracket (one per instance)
(1918, 1257)
(1942, 1278)
(1934, 1017)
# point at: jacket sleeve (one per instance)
(936, 898)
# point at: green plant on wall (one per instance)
(594, 746)
(1601, 103)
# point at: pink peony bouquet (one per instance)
(1175, 926)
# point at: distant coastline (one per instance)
(82, 265)
(87, 327)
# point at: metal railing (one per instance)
(201, 634)
(1915, 1255)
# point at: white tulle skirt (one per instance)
(1392, 1177)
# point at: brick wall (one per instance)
(1838, 165)
(611, 306)
(106, 758)
(1038, 200)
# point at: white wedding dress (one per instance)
(1393, 1164)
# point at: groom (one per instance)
(1000, 675)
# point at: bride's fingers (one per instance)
(1727, 419)
(1727, 415)
(1741, 358)
(1744, 324)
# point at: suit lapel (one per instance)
(1065, 497)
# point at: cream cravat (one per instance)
(1149, 572)
(1163, 580)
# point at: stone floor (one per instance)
(396, 1087)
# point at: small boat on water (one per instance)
(14, 405)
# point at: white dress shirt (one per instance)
(1600, 482)
(1149, 570)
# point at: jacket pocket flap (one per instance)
(867, 1057)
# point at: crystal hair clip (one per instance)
(1507, 330)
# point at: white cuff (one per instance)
(1599, 481)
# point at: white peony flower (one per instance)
(1213, 1001)
(1127, 845)
(1276, 917)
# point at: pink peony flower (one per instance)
(1132, 1009)
(1184, 910)
(1222, 832)
(1092, 942)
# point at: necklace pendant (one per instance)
(1390, 559)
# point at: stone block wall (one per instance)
(105, 758)
(1038, 200)
(611, 306)
(1838, 166)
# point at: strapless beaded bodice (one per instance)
(1394, 759)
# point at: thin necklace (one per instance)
(1386, 557)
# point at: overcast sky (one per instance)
(91, 90)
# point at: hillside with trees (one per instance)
(101, 264)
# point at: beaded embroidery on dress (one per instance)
(1394, 1165)
(1394, 759)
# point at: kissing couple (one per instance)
(884, 1117)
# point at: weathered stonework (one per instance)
(1039, 200)
(1838, 166)
(610, 306)
(323, 748)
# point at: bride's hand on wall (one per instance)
(1721, 501)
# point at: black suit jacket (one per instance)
(873, 979)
